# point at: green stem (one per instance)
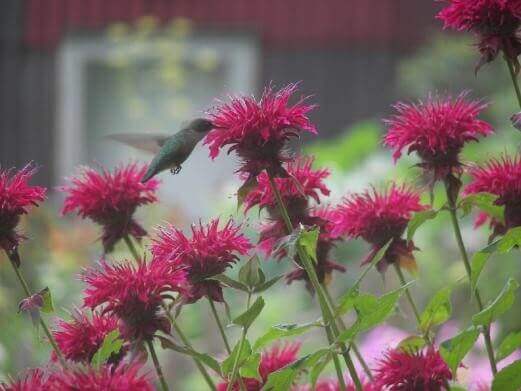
(310, 271)
(220, 326)
(464, 256)
(235, 367)
(159, 371)
(132, 248)
(514, 79)
(14, 259)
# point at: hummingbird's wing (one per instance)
(148, 142)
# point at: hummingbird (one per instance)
(171, 151)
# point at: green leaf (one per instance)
(347, 302)
(230, 282)
(511, 239)
(250, 367)
(47, 306)
(412, 343)
(308, 241)
(417, 221)
(250, 274)
(244, 190)
(318, 368)
(478, 261)
(282, 331)
(437, 311)
(289, 244)
(111, 345)
(227, 364)
(499, 306)
(484, 202)
(248, 317)
(510, 344)
(508, 379)
(267, 284)
(455, 349)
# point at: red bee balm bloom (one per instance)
(496, 22)
(134, 294)
(258, 131)
(16, 196)
(378, 217)
(80, 338)
(405, 371)
(501, 177)
(272, 360)
(110, 199)
(332, 385)
(108, 378)
(209, 252)
(32, 380)
(436, 130)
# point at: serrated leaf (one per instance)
(227, 364)
(511, 239)
(484, 202)
(224, 279)
(412, 343)
(347, 301)
(250, 367)
(48, 306)
(282, 331)
(248, 317)
(508, 379)
(111, 345)
(455, 349)
(267, 284)
(244, 190)
(250, 273)
(438, 310)
(308, 241)
(499, 306)
(417, 220)
(478, 261)
(509, 345)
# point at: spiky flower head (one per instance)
(332, 385)
(134, 294)
(107, 378)
(495, 22)
(16, 196)
(379, 217)
(31, 380)
(272, 359)
(258, 131)
(209, 251)
(81, 337)
(436, 129)
(110, 199)
(302, 184)
(402, 370)
(501, 177)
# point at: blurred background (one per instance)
(74, 71)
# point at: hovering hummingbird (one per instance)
(170, 151)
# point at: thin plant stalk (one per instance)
(220, 326)
(14, 260)
(310, 271)
(515, 82)
(466, 262)
(131, 248)
(161, 377)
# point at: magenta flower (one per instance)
(332, 385)
(110, 199)
(496, 23)
(378, 217)
(258, 131)
(272, 359)
(32, 380)
(107, 378)
(16, 196)
(436, 130)
(400, 370)
(81, 337)
(134, 294)
(208, 252)
(501, 177)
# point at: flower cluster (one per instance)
(272, 359)
(110, 199)
(16, 196)
(379, 217)
(258, 131)
(496, 22)
(134, 294)
(208, 252)
(436, 130)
